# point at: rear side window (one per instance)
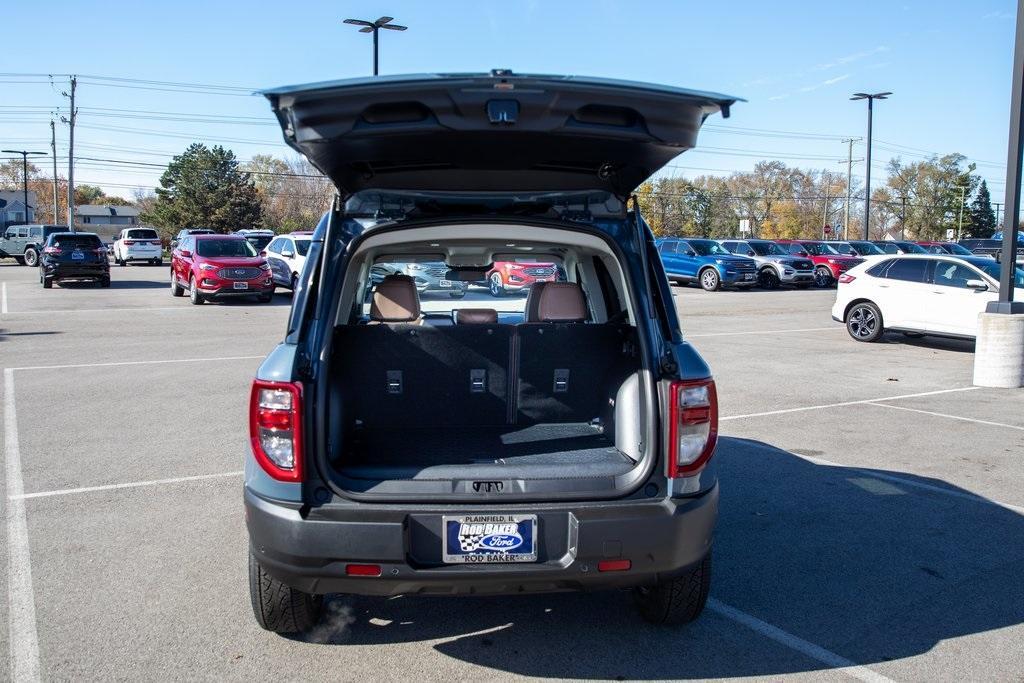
(949, 274)
(302, 247)
(667, 247)
(35, 232)
(878, 270)
(908, 270)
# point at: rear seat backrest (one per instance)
(561, 302)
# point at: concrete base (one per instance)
(999, 352)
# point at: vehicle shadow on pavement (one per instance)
(936, 343)
(138, 284)
(870, 568)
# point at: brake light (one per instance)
(614, 565)
(693, 426)
(846, 279)
(55, 251)
(129, 243)
(275, 428)
(155, 243)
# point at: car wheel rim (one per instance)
(495, 284)
(708, 279)
(821, 277)
(863, 322)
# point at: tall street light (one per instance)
(24, 172)
(867, 173)
(374, 27)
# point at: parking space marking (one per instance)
(136, 362)
(3, 298)
(140, 309)
(833, 328)
(947, 415)
(846, 403)
(815, 652)
(23, 641)
(126, 485)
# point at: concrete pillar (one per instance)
(999, 352)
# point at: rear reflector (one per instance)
(614, 565)
(845, 279)
(275, 428)
(692, 426)
(362, 569)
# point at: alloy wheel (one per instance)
(863, 322)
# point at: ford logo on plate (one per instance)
(501, 541)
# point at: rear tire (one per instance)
(864, 322)
(47, 283)
(31, 258)
(176, 289)
(295, 281)
(157, 262)
(280, 608)
(193, 292)
(802, 285)
(495, 285)
(105, 282)
(266, 298)
(457, 295)
(676, 601)
(709, 280)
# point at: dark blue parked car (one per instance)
(706, 262)
(562, 444)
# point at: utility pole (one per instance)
(53, 153)
(999, 205)
(827, 182)
(24, 175)
(903, 219)
(960, 224)
(849, 185)
(867, 170)
(70, 120)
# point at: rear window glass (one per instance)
(909, 270)
(75, 241)
(142, 234)
(302, 246)
(224, 248)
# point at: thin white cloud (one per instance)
(997, 15)
(774, 98)
(822, 84)
(836, 79)
(850, 58)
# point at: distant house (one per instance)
(12, 208)
(100, 214)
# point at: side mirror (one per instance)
(263, 253)
(185, 253)
(287, 253)
(977, 285)
(802, 253)
(750, 252)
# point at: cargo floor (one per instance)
(542, 451)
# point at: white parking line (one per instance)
(136, 362)
(3, 298)
(23, 641)
(845, 403)
(127, 485)
(951, 417)
(745, 332)
(139, 309)
(815, 652)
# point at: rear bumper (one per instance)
(661, 537)
(72, 272)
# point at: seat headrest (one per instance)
(395, 300)
(530, 313)
(476, 316)
(561, 302)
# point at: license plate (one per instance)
(77, 256)
(485, 539)
(241, 285)
(446, 284)
(749, 276)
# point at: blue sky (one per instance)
(947, 63)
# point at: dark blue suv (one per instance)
(563, 442)
(707, 263)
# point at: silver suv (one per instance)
(775, 265)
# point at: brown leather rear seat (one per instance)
(476, 316)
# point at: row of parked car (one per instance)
(745, 263)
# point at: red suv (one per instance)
(515, 276)
(214, 266)
(829, 264)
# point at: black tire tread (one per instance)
(679, 600)
(278, 607)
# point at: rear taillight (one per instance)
(845, 279)
(100, 251)
(275, 428)
(55, 251)
(693, 426)
(155, 243)
(129, 243)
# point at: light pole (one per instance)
(374, 27)
(24, 172)
(867, 172)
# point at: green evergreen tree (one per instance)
(205, 188)
(983, 219)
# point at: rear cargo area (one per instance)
(533, 401)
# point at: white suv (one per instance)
(286, 255)
(138, 244)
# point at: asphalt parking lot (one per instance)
(872, 510)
